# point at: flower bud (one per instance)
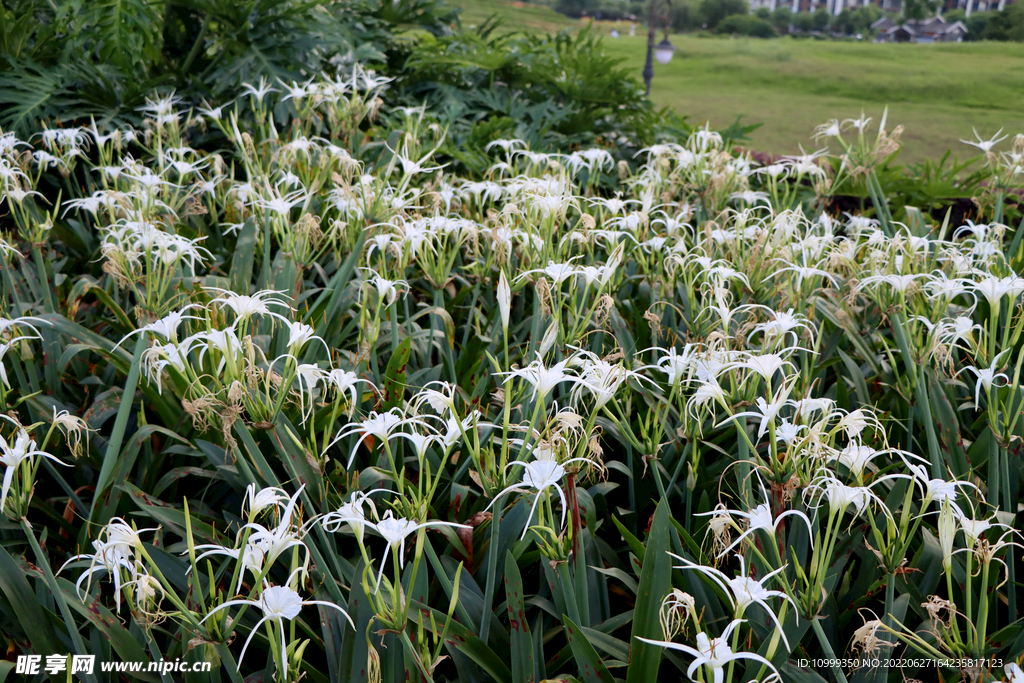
(504, 300)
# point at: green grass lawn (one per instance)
(937, 92)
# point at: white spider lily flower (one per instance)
(857, 457)
(226, 342)
(245, 306)
(765, 365)
(212, 113)
(974, 529)
(454, 428)
(396, 530)
(895, 282)
(421, 442)
(805, 407)
(787, 432)
(713, 653)
(44, 160)
(271, 543)
(296, 91)
(13, 454)
(259, 91)
(602, 275)
(4, 348)
(934, 489)
(709, 365)
(113, 551)
(943, 288)
(708, 392)
(840, 496)
(1014, 674)
(543, 379)
(601, 379)
(160, 356)
(767, 412)
(676, 365)
(440, 401)
(855, 422)
(257, 500)
(6, 249)
(387, 290)
(829, 129)
(860, 124)
(166, 327)
(986, 378)
(73, 428)
(282, 205)
(985, 145)
(352, 513)
(993, 289)
(277, 603)
(378, 425)
(722, 274)
(411, 167)
(540, 475)
(751, 198)
(782, 323)
(558, 272)
(251, 559)
(805, 273)
(743, 590)
(506, 145)
(17, 195)
(958, 329)
(300, 334)
(344, 382)
(760, 517)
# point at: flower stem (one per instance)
(837, 671)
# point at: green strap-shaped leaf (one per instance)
(173, 517)
(352, 658)
(26, 609)
(655, 583)
(592, 668)
(523, 668)
(394, 378)
(245, 256)
(126, 647)
(634, 543)
(460, 639)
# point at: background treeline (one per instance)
(65, 61)
(734, 17)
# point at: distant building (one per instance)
(934, 30)
(834, 7)
(978, 5)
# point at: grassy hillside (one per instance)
(516, 15)
(937, 92)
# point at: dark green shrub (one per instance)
(747, 25)
(1007, 25)
(803, 21)
(714, 11)
(821, 19)
(782, 17)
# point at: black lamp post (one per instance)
(663, 50)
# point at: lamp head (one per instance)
(663, 51)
